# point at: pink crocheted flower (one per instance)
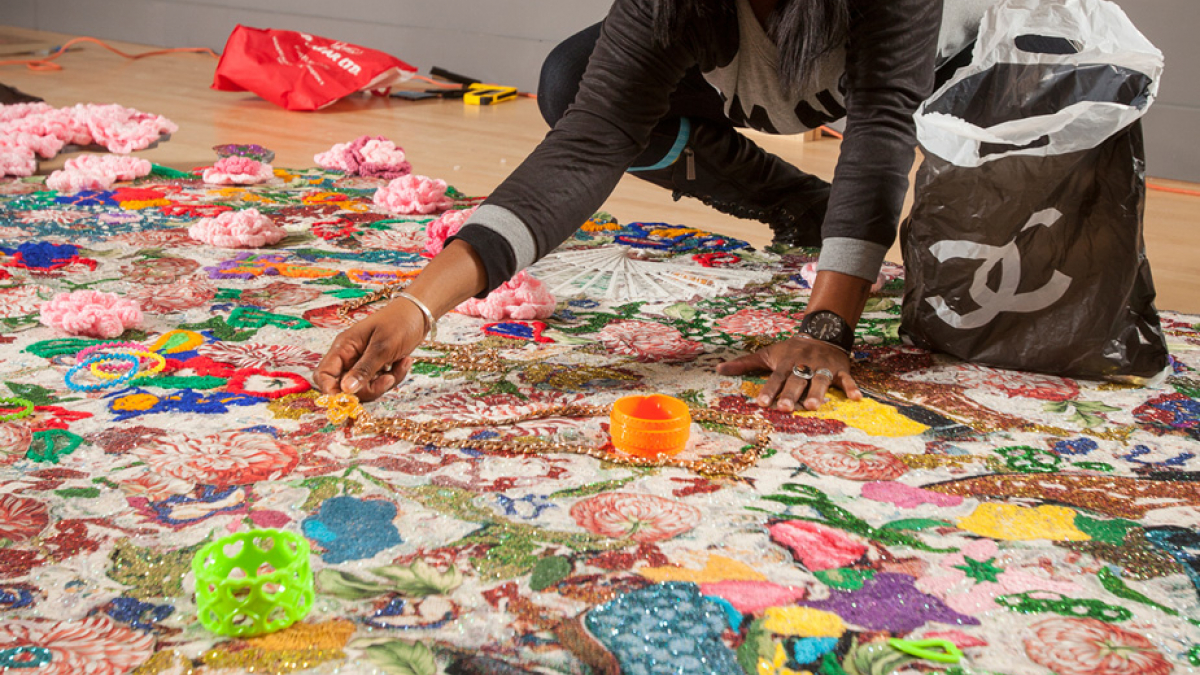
(17, 162)
(44, 146)
(447, 225)
(521, 298)
(237, 229)
(413, 194)
(121, 129)
(91, 313)
(375, 157)
(238, 171)
(96, 172)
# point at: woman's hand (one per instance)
(371, 356)
(828, 365)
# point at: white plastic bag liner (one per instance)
(1097, 74)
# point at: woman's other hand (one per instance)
(827, 364)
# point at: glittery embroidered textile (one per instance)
(1045, 525)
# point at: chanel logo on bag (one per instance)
(1005, 298)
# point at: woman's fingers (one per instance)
(822, 378)
(792, 391)
(747, 363)
(848, 385)
(343, 352)
(380, 354)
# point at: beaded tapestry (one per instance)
(1041, 525)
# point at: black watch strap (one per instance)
(830, 328)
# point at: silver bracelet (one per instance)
(430, 322)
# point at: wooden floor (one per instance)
(472, 148)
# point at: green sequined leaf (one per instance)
(33, 393)
(51, 445)
(86, 493)
(420, 579)
(875, 658)
(398, 657)
(348, 586)
(1107, 531)
(916, 524)
(681, 310)
(549, 571)
(758, 644)
(845, 579)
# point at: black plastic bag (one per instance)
(1024, 246)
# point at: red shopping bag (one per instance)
(300, 71)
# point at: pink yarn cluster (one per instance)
(522, 298)
(237, 229)
(236, 170)
(376, 157)
(96, 172)
(809, 274)
(447, 225)
(413, 194)
(43, 130)
(17, 162)
(91, 313)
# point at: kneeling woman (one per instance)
(658, 89)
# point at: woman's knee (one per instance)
(562, 73)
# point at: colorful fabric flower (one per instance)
(443, 227)
(640, 517)
(413, 194)
(91, 313)
(96, 645)
(752, 322)
(1082, 646)
(648, 341)
(22, 518)
(237, 229)
(522, 298)
(855, 461)
(184, 294)
(260, 355)
(238, 171)
(225, 458)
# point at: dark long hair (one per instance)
(803, 30)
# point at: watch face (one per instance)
(825, 326)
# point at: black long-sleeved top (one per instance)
(889, 64)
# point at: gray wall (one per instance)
(505, 41)
(1173, 123)
(501, 41)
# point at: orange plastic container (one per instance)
(648, 426)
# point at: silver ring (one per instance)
(825, 373)
(802, 372)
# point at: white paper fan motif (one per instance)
(618, 273)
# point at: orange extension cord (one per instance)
(47, 63)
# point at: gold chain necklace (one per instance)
(344, 407)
